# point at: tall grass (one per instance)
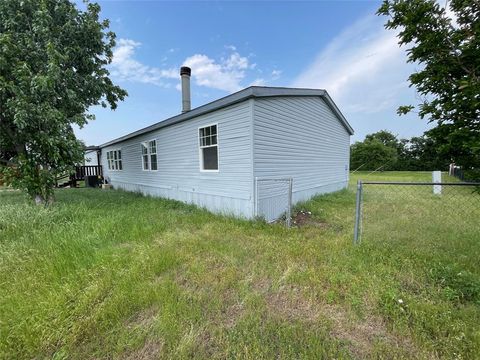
(109, 274)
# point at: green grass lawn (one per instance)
(110, 274)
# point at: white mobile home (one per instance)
(212, 155)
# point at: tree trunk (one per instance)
(39, 200)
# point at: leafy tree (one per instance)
(390, 140)
(404, 161)
(372, 154)
(386, 137)
(423, 154)
(448, 78)
(53, 60)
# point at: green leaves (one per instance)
(53, 61)
(405, 109)
(372, 154)
(447, 51)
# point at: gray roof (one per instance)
(247, 93)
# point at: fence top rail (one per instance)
(419, 183)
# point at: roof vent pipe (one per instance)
(185, 73)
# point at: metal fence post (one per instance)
(358, 212)
(289, 210)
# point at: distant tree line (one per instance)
(385, 151)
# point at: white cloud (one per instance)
(124, 66)
(235, 61)
(365, 71)
(361, 68)
(258, 82)
(225, 75)
(276, 74)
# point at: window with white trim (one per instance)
(114, 160)
(208, 142)
(149, 155)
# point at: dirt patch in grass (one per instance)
(360, 335)
(232, 314)
(305, 218)
(287, 302)
(232, 308)
(206, 345)
(143, 318)
(151, 349)
(289, 305)
(262, 285)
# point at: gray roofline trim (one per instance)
(247, 93)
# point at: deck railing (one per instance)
(87, 170)
(79, 174)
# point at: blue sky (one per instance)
(340, 46)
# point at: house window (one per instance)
(118, 165)
(114, 160)
(208, 141)
(149, 155)
(145, 157)
(153, 154)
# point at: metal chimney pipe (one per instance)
(185, 73)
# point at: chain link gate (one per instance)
(273, 199)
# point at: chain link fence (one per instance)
(273, 199)
(398, 211)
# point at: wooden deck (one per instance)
(80, 173)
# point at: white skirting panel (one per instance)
(215, 203)
(304, 195)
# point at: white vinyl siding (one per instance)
(300, 138)
(90, 158)
(179, 175)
